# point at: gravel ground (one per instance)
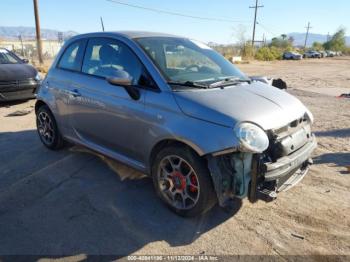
(71, 203)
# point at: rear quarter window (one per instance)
(72, 57)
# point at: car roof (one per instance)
(127, 34)
(4, 50)
(140, 34)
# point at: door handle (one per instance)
(46, 85)
(74, 93)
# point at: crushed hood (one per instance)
(259, 103)
(10, 72)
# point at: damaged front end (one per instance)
(261, 176)
(231, 175)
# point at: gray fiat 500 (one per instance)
(175, 109)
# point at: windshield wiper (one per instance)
(189, 84)
(229, 81)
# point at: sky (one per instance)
(277, 17)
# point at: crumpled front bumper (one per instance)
(281, 175)
(238, 174)
(287, 164)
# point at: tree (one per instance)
(291, 40)
(280, 43)
(246, 49)
(240, 33)
(284, 36)
(337, 42)
(317, 46)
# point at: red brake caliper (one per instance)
(193, 183)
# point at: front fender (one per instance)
(165, 121)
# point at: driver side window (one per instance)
(110, 58)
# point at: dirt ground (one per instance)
(71, 203)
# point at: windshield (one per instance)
(7, 57)
(188, 61)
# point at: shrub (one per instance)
(277, 53)
(247, 51)
(268, 54)
(347, 51)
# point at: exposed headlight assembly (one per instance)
(251, 137)
(310, 116)
(37, 77)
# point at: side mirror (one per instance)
(117, 81)
(133, 92)
(26, 61)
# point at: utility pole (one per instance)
(60, 37)
(307, 34)
(37, 27)
(102, 25)
(255, 16)
(21, 39)
(264, 40)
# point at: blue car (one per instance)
(176, 110)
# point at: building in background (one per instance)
(27, 48)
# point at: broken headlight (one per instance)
(251, 138)
(309, 116)
(37, 77)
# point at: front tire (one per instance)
(182, 180)
(47, 129)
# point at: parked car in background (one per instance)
(330, 53)
(323, 54)
(179, 112)
(339, 53)
(312, 54)
(18, 80)
(292, 56)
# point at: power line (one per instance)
(176, 13)
(256, 7)
(307, 34)
(273, 28)
(273, 33)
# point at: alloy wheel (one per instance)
(45, 128)
(178, 182)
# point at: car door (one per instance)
(61, 79)
(104, 116)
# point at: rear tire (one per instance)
(182, 180)
(47, 129)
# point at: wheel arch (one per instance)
(40, 103)
(172, 142)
